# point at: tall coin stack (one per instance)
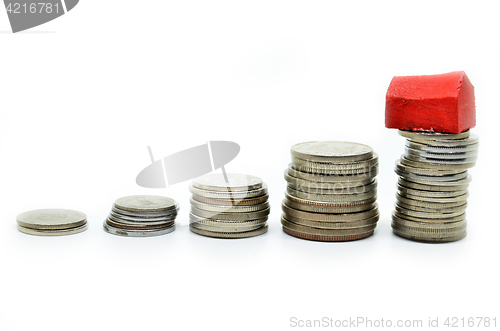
(229, 206)
(142, 216)
(432, 186)
(332, 191)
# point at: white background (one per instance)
(82, 96)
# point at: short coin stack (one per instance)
(332, 191)
(142, 216)
(231, 207)
(52, 222)
(432, 186)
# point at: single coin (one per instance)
(429, 231)
(425, 215)
(145, 203)
(52, 232)
(333, 178)
(331, 209)
(332, 225)
(51, 219)
(455, 167)
(433, 135)
(225, 223)
(402, 222)
(235, 182)
(145, 215)
(442, 149)
(234, 229)
(333, 186)
(229, 209)
(334, 198)
(431, 178)
(444, 219)
(430, 205)
(229, 195)
(473, 139)
(437, 161)
(139, 232)
(232, 202)
(331, 151)
(229, 235)
(430, 194)
(230, 216)
(414, 168)
(442, 156)
(330, 204)
(434, 199)
(323, 217)
(327, 232)
(335, 171)
(141, 220)
(325, 238)
(443, 210)
(298, 163)
(417, 237)
(454, 185)
(136, 226)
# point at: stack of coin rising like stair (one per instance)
(432, 186)
(52, 222)
(332, 191)
(231, 206)
(142, 216)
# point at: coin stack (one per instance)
(332, 191)
(229, 206)
(142, 216)
(52, 222)
(432, 186)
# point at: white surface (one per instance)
(84, 95)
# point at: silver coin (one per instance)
(145, 215)
(327, 232)
(229, 209)
(432, 232)
(473, 139)
(137, 233)
(457, 184)
(467, 162)
(334, 198)
(226, 223)
(435, 210)
(229, 195)
(399, 221)
(339, 187)
(425, 215)
(431, 239)
(232, 202)
(442, 167)
(332, 225)
(331, 151)
(331, 209)
(472, 148)
(52, 231)
(434, 199)
(427, 169)
(230, 216)
(441, 156)
(236, 182)
(233, 229)
(335, 171)
(433, 135)
(431, 178)
(430, 205)
(229, 235)
(142, 220)
(145, 203)
(335, 189)
(334, 218)
(333, 178)
(136, 226)
(51, 219)
(443, 219)
(336, 166)
(430, 193)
